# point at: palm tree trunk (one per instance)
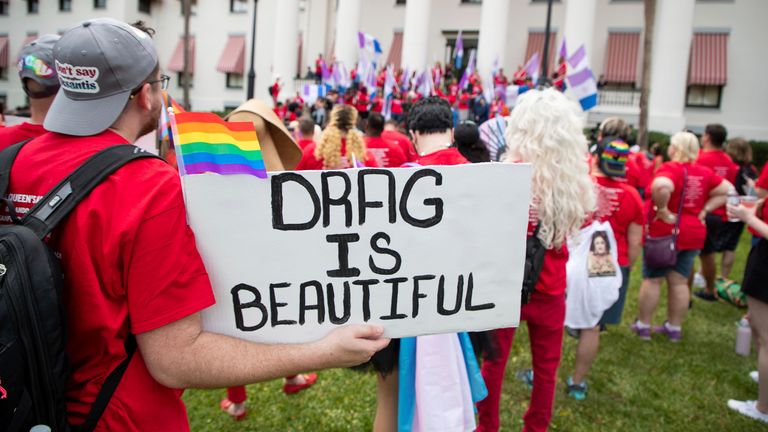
(650, 18)
(185, 73)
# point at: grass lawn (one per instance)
(634, 385)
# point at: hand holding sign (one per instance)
(350, 345)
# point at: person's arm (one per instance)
(717, 198)
(661, 192)
(749, 216)
(634, 241)
(182, 355)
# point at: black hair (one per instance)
(717, 134)
(430, 115)
(375, 125)
(466, 137)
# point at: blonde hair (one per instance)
(686, 147)
(545, 129)
(342, 123)
(615, 127)
(739, 150)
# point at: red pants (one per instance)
(545, 315)
(237, 394)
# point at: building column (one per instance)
(347, 25)
(492, 42)
(579, 28)
(416, 34)
(672, 36)
(285, 42)
(315, 33)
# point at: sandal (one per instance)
(309, 380)
(233, 410)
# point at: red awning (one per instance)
(396, 50)
(232, 59)
(177, 60)
(536, 44)
(709, 59)
(27, 40)
(621, 57)
(3, 52)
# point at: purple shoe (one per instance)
(642, 333)
(673, 335)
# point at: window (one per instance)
(399, 2)
(238, 6)
(145, 6)
(193, 7)
(180, 79)
(3, 74)
(704, 96)
(471, 1)
(4, 7)
(65, 5)
(33, 6)
(234, 81)
(99, 4)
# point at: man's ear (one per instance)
(144, 97)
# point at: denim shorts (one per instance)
(683, 266)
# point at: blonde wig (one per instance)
(545, 129)
(685, 147)
(342, 124)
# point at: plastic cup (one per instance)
(748, 201)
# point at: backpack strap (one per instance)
(62, 199)
(107, 389)
(7, 157)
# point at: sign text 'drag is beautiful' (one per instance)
(418, 250)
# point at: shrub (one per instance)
(759, 153)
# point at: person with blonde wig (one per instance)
(341, 145)
(682, 193)
(545, 130)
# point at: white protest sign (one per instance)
(424, 250)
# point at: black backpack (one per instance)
(33, 362)
(534, 262)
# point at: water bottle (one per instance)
(734, 200)
(743, 337)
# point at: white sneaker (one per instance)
(699, 281)
(754, 375)
(748, 408)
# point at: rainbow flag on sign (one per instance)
(208, 144)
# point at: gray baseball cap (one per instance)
(36, 62)
(99, 62)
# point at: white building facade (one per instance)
(706, 67)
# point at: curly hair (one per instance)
(545, 129)
(340, 126)
(685, 147)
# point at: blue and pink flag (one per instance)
(368, 43)
(532, 67)
(582, 81)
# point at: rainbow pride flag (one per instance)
(208, 144)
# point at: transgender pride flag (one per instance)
(581, 81)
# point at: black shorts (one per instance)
(756, 272)
(721, 235)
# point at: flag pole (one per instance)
(544, 77)
(252, 71)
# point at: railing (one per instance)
(619, 97)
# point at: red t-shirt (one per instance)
(762, 183)
(304, 142)
(310, 162)
(402, 140)
(639, 170)
(552, 276)
(701, 181)
(15, 134)
(447, 156)
(397, 106)
(130, 265)
(387, 153)
(719, 162)
(619, 204)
